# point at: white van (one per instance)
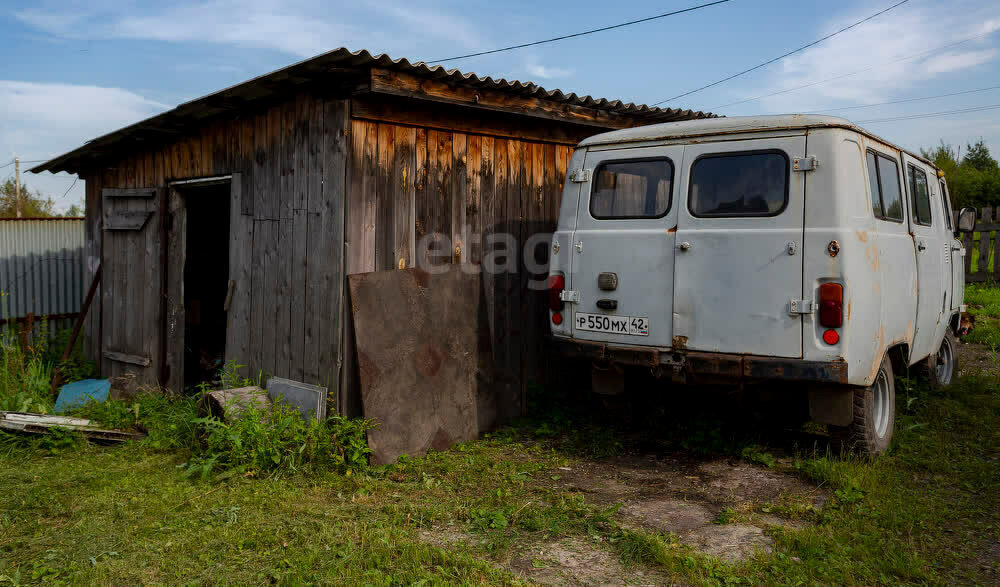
(752, 249)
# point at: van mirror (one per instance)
(967, 220)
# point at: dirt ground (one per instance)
(715, 506)
(724, 508)
(976, 359)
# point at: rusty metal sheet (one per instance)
(420, 357)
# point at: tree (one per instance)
(74, 211)
(978, 157)
(973, 180)
(32, 205)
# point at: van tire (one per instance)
(870, 431)
(941, 368)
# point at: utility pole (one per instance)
(17, 186)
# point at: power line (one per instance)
(7, 164)
(70, 187)
(930, 114)
(779, 58)
(869, 68)
(902, 101)
(573, 35)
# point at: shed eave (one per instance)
(345, 64)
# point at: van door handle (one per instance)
(684, 246)
(921, 246)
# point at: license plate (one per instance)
(631, 325)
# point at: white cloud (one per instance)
(546, 72)
(41, 120)
(878, 47)
(298, 27)
(950, 62)
(207, 67)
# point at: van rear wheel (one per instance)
(870, 430)
(941, 368)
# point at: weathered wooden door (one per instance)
(132, 296)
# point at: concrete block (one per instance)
(310, 400)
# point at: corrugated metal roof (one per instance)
(340, 61)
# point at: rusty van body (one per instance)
(750, 249)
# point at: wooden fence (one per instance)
(984, 246)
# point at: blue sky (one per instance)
(79, 68)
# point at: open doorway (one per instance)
(206, 279)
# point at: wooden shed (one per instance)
(226, 226)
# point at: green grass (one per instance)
(927, 512)
(983, 301)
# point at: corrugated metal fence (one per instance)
(41, 267)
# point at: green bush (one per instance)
(279, 440)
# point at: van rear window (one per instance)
(639, 188)
(883, 175)
(739, 184)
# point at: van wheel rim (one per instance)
(945, 367)
(880, 404)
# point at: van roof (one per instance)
(733, 125)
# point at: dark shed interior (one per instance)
(228, 224)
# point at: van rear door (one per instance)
(739, 248)
(623, 247)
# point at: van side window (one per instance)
(887, 199)
(873, 182)
(639, 188)
(945, 204)
(921, 196)
(739, 184)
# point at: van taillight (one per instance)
(557, 283)
(831, 305)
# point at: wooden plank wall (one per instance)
(409, 185)
(286, 229)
